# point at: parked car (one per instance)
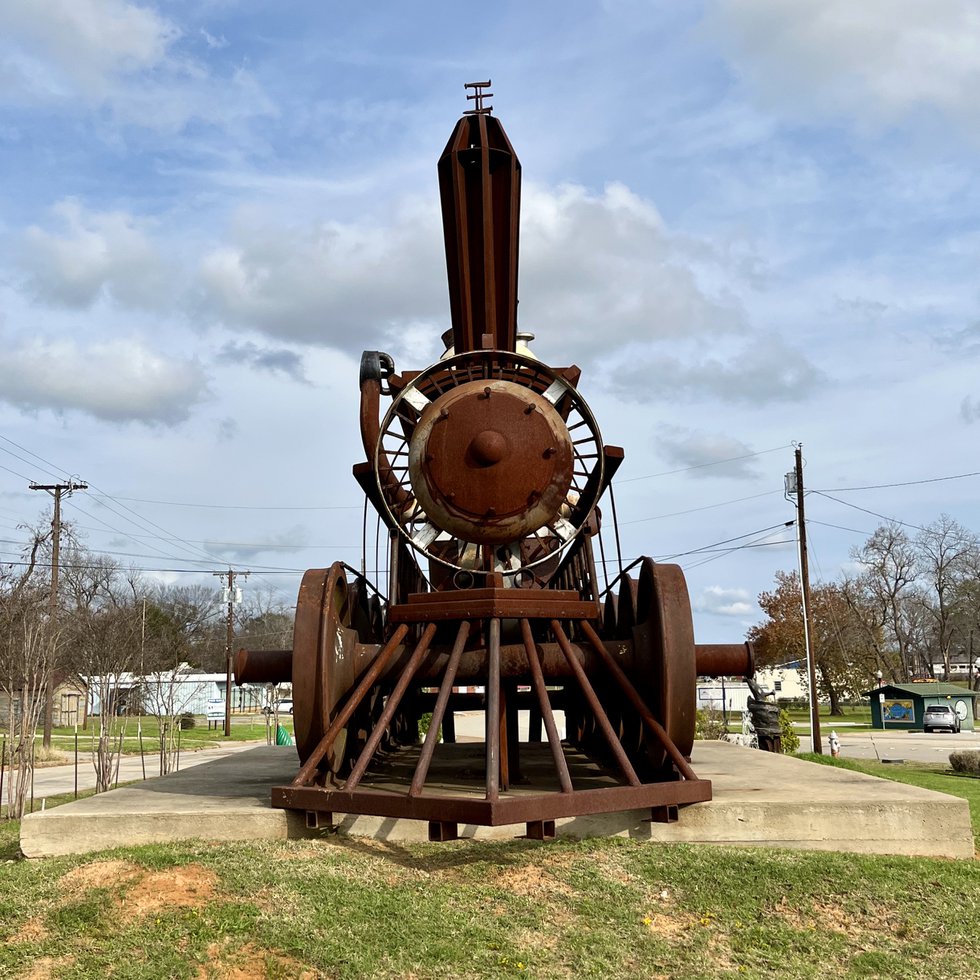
(940, 716)
(285, 707)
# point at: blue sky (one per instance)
(750, 222)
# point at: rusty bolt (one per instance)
(491, 512)
(529, 409)
(549, 452)
(486, 392)
(429, 457)
(444, 413)
(534, 496)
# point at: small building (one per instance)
(901, 707)
(725, 696)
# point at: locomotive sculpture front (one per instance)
(487, 470)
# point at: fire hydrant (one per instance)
(834, 745)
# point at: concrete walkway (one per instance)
(759, 799)
(55, 780)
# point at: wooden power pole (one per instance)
(230, 575)
(56, 490)
(805, 591)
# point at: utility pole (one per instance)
(233, 596)
(795, 486)
(56, 490)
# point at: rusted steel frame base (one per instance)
(504, 810)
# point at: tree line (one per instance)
(106, 620)
(909, 607)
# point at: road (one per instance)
(54, 780)
(895, 746)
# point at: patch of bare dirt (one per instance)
(831, 916)
(99, 874)
(187, 886)
(532, 881)
(249, 962)
(668, 924)
(45, 967)
(32, 931)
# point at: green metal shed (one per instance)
(900, 707)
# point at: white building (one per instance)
(169, 692)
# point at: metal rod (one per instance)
(439, 711)
(391, 706)
(305, 775)
(493, 712)
(547, 715)
(619, 549)
(596, 706)
(638, 703)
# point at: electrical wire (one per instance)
(883, 517)
(907, 483)
(699, 466)
(694, 510)
(738, 537)
(177, 503)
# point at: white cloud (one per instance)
(339, 285)
(91, 43)
(95, 253)
(877, 60)
(119, 55)
(597, 271)
(763, 370)
(718, 601)
(115, 381)
(601, 270)
(711, 454)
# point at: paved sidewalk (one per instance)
(54, 780)
(759, 799)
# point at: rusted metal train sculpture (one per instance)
(487, 469)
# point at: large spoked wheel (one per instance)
(665, 656)
(323, 660)
(485, 450)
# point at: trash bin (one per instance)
(282, 736)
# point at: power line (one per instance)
(694, 510)
(178, 503)
(883, 517)
(737, 537)
(907, 483)
(840, 527)
(699, 466)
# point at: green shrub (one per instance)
(790, 740)
(965, 760)
(187, 720)
(709, 724)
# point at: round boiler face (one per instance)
(490, 461)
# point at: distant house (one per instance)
(70, 701)
(787, 681)
(901, 707)
(168, 692)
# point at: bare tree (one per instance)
(102, 647)
(888, 586)
(26, 662)
(947, 558)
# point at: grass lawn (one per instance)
(247, 728)
(604, 908)
(349, 908)
(856, 718)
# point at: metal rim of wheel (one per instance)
(401, 504)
